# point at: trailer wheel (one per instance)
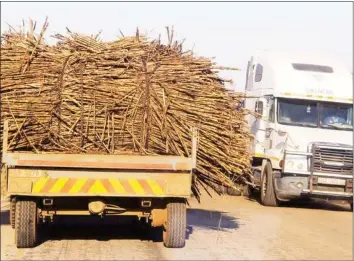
(12, 213)
(268, 197)
(174, 234)
(26, 224)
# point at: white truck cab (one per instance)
(303, 143)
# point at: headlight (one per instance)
(290, 164)
(294, 185)
(300, 166)
(296, 164)
(300, 185)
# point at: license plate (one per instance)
(331, 181)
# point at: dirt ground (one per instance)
(221, 228)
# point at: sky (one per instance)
(227, 32)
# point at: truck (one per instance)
(41, 186)
(303, 135)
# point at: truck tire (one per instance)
(247, 191)
(26, 224)
(12, 213)
(174, 234)
(268, 197)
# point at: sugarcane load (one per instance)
(124, 97)
(129, 127)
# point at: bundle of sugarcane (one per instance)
(131, 95)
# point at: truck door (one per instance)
(267, 136)
(269, 115)
(275, 138)
(259, 127)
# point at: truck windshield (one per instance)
(315, 114)
(338, 116)
(297, 112)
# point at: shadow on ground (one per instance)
(101, 229)
(318, 204)
(306, 203)
(124, 227)
(208, 219)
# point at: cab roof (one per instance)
(304, 75)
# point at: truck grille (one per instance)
(333, 160)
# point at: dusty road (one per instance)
(222, 228)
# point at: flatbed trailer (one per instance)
(44, 185)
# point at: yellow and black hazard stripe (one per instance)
(98, 186)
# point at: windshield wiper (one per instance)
(340, 126)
